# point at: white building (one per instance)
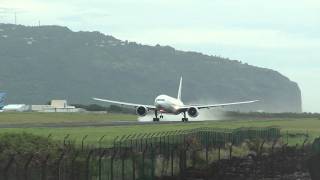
(55, 106)
(59, 103)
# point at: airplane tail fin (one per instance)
(180, 87)
(2, 96)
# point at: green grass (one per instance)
(312, 126)
(44, 118)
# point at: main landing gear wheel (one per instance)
(161, 116)
(184, 119)
(156, 119)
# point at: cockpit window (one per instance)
(160, 99)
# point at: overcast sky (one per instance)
(282, 35)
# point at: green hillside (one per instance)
(52, 62)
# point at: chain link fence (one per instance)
(137, 156)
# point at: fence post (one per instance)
(180, 164)
(72, 165)
(152, 163)
(261, 148)
(65, 138)
(122, 156)
(49, 136)
(111, 163)
(207, 156)
(26, 166)
(183, 158)
(7, 167)
(219, 152)
(304, 142)
(143, 159)
(207, 151)
(273, 144)
(82, 141)
(172, 156)
(88, 165)
(114, 141)
(230, 150)
(44, 168)
(100, 140)
(100, 161)
(133, 164)
(131, 140)
(59, 163)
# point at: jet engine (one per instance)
(193, 112)
(142, 110)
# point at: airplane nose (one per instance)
(160, 104)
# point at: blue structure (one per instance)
(2, 97)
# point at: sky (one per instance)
(280, 35)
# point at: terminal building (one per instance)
(55, 106)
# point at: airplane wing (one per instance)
(150, 107)
(222, 105)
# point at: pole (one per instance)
(100, 140)
(82, 141)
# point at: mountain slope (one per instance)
(42, 63)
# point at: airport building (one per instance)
(55, 106)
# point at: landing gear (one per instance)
(156, 119)
(184, 119)
(161, 116)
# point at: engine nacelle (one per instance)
(142, 110)
(193, 112)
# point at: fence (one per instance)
(136, 156)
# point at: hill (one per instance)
(52, 62)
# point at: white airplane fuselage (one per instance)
(168, 105)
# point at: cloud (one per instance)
(308, 80)
(236, 37)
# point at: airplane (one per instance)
(2, 96)
(165, 104)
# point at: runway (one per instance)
(89, 124)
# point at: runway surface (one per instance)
(90, 124)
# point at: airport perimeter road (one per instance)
(88, 124)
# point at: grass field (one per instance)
(45, 118)
(312, 126)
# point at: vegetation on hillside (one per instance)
(52, 62)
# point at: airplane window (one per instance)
(160, 99)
